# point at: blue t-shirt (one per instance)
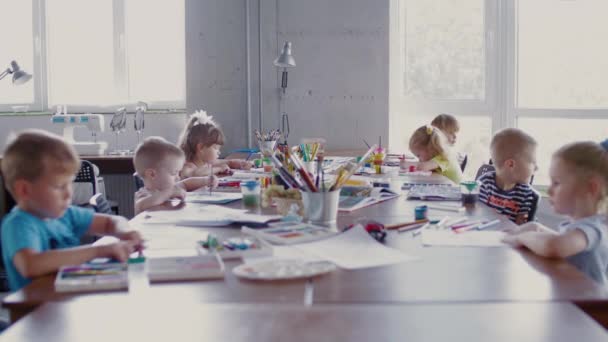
(593, 261)
(21, 229)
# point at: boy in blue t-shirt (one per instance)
(42, 232)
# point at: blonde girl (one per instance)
(429, 144)
(201, 141)
(579, 189)
(448, 125)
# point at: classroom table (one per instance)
(440, 276)
(154, 319)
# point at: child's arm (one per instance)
(117, 226)
(427, 166)
(31, 263)
(157, 198)
(191, 170)
(550, 245)
(531, 227)
(420, 166)
(193, 183)
(239, 164)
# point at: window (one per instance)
(494, 64)
(561, 62)
(445, 52)
(99, 55)
(560, 132)
(448, 69)
(16, 43)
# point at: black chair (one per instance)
(484, 169)
(100, 204)
(463, 163)
(139, 182)
(86, 174)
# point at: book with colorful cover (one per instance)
(353, 198)
(289, 233)
(167, 269)
(92, 277)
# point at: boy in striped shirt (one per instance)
(508, 188)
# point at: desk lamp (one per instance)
(19, 76)
(285, 60)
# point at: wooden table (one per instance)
(159, 319)
(441, 276)
(229, 290)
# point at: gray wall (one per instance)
(339, 89)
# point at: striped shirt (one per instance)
(518, 204)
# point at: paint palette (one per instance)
(276, 269)
(289, 233)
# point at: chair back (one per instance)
(484, 169)
(139, 182)
(86, 174)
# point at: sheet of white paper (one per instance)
(214, 197)
(464, 239)
(284, 252)
(205, 215)
(354, 249)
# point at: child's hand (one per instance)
(222, 169)
(178, 193)
(527, 227)
(131, 235)
(120, 250)
(406, 165)
(512, 240)
(246, 165)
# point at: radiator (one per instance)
(120, 188)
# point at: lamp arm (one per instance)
(5, 73)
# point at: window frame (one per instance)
(40, 68)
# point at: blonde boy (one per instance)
(508, 188)
(42, 232)
(158, 162)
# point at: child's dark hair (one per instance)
(201, 129)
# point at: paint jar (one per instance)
(469, 192)
(267, 165)
(251, 191)
(421, 212)
(378, 159)
(321, 207)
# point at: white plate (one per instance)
(282, 269)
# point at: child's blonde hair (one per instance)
(430, 138)
(201, 129)
(508, 143)
(32, 153)
(152, 153)
(447, 123)
(587, 159)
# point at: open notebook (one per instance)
(353, 198)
